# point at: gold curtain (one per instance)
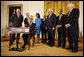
(55, 5)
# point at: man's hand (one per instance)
(58, 26)
(53, 28)
(46, 28)
(67, 25)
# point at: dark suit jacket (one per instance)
(51, 22)
(43, 25)
(16, 22)
(32, 26)
(61, 21)
(72, 19)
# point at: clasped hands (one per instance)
(52, 28)
(58, 26)
(67, 25)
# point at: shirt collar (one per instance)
(60, 15)
(18, 14)
(71, 10)
(50, 14)
(43, 19)
(27, 17)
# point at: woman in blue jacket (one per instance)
(38, 22)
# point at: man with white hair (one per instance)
(16, 20)
(51, 24)
(72, 27)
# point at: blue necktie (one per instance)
(48, 17)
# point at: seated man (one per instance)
(28, 23)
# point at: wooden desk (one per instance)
(20, 30)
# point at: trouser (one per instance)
(51, 36)
(44, 35)
(13, 38)
(73, 38)
(25, 38)
(61, 36)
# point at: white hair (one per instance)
(71, 5)
(17, 9)
(50, 9)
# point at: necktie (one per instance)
(48, 17)
(68, 13)
(59, 17)
(18, 16)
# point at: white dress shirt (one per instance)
(60, 17)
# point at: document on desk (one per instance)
(19, 30)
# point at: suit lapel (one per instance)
(70, 13)
(61, 17)
(16, 16)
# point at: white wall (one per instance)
(81, 16)
(2, 13)
(3, 20)
(36, 7)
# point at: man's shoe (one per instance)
(51, 45)
(63, 46)
(58, 46)
(68, 48)
(45, 42)
(17, 49)
(22, 49)
(74, 51)
(12, 49)
(48, 43)
(42, 42)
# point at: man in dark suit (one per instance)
(72, 27)
(28, 22)
(16, 20)
(61, 29)
(51, 24)
(43, 29)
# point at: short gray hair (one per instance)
(71, 4)
(50, 9)
(61, 10)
